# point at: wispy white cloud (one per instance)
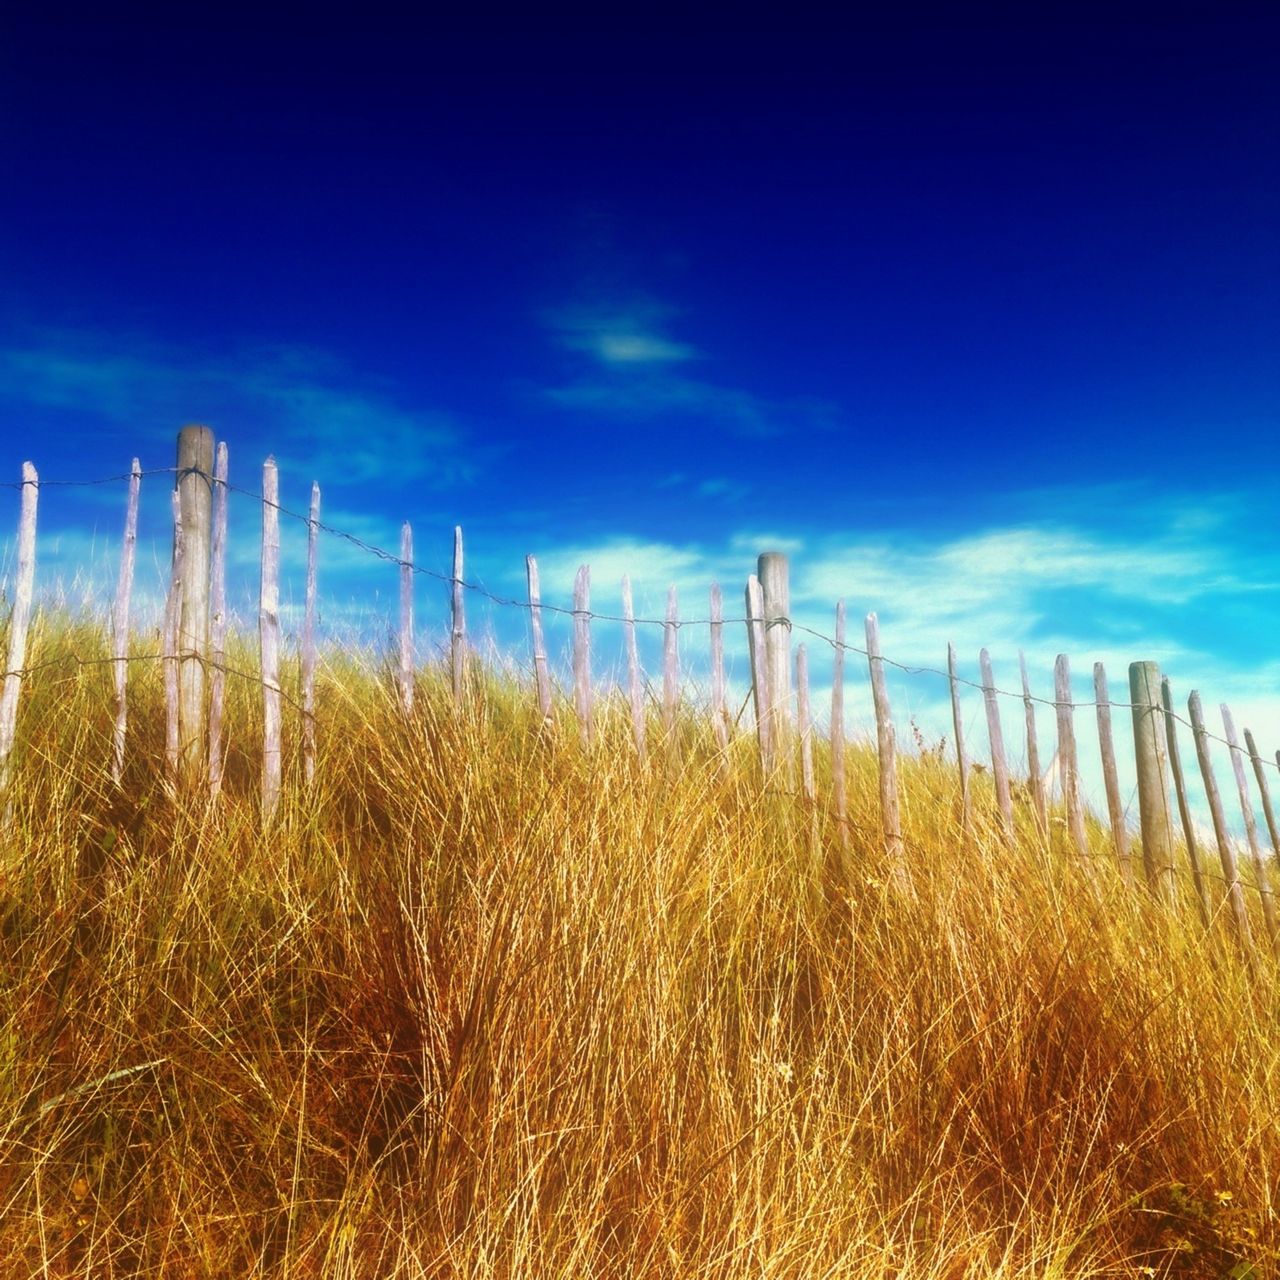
(628, 335)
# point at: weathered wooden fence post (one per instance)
(195, 494)
(1251, 830)
(217, 620)
(1067, 758)
(995, 739)
(1035, 782)
(759, 680)
(886, 741)
(1110, 778)
(582, 651)
(541, 676)
(1226, 852)
(1264, 790)
(635, 689)
(775, 588)
(719, 712)
(19, 623)
(269, 639)
(406, 618)
(120, 620)
(458, 635)
(1150, 753)
(962, 759)
(309, 642)
(839, 797)
(1184, 809)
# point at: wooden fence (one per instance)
(194, 662)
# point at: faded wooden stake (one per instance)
(406, 618)
(670, 668)
(1110, 778)
(1251, 830)
(635, 689)
(1184, 808)
(774, 574)
(1150, 754)
(1067, 757)
(719, 712)
(195, 493)
(541, 676)
(309, 642)
(759, 680)
(217, 620)
(19, 623)
(120, 620)
(1264, 790)
(269, 639)
(839, 800)
(995, 738)
(962, 759)
(886, 741)
(170, 650)
(1035, 781)
(1226, 852)
(458, 637)
(582, 651)
(805, 724)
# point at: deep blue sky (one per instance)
(979, 312)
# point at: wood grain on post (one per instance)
(120, 620)
(1184, 808)
(458, 635)
(635, 687)
(1151, 746)
(406, 618)
(541, 676)
(759, 680)
(309, 641)
(582, 651)
(217, 620)
(269, 639)
(1264, 790)
(195, 493)
(962, 759)
(774, 574)
(1067, 757)
(995, 738)
(719, 711)
(670, 668)
(170, 650)
(886, 741)
(839, 797)
(805, 724)
(1035, 781)
(1110, 778)
(1251, 830)
(19, 621)
(1226, 852)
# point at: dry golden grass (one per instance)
(482, 1004)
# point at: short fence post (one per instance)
(839, 801)
(458, 636)
(635, 690)
(309, 642)
(774, 574)
(582, 651)
(406, 618)
(759, 680)
(19, 623)
(195, 494)
(1226, 853)
(1035, 783)
(1067, 758)
(541, 676)
(1251, 830)
(120, 620)
(719, 713)
(1111, 780)
(1150, 753)
(217, 620)
(962, 759)
(886, 740)
(995, 738)
(269, 640)
(1184, 809)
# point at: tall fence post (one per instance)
(120, 620)
(541, 676)
(458, 635)
(995, 739)
(1110, 778)
(775, 588)
(582, 651)
(1184, 808)
(217, 620)
(269, 639)
(195, 495)
(19, 622)
(1151, 755)
(406, 618)
(635, 690)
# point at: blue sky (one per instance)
(976, 315)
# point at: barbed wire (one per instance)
(477, 588)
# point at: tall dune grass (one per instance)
(482, 1003)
